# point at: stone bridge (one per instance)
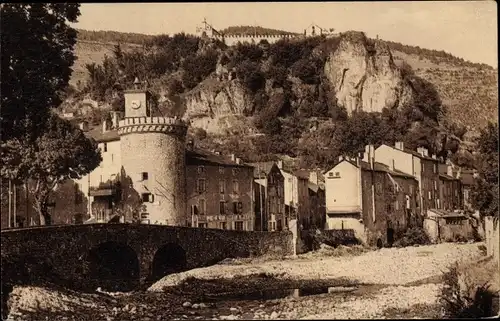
(92, 253)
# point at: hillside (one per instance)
(298, 89)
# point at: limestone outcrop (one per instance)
(364, 75)
(213, 103)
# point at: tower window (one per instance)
(147, 197)
(145, 176)
(105, 147)
(201, 185)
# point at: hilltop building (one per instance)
(206, 30)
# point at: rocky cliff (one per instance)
(364, 75)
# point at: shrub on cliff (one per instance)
(250, 75)
(197, 68)
(305, 70)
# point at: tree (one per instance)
(62, 152)
(485, 190)
(37, 55)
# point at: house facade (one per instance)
(219, 191)
(450, 189)
(269, 198)
(296, 198)
(417, 164)
(317, 200)
(374, 200)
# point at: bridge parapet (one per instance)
(66, 248)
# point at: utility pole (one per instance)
(10, 202)
(15, 206)
(260, 199)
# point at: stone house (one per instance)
(296, 198)
(219, 191)
(317, 200)
(67, 205)
(447, 226)
(450, 189)
(269, 198)
(417, 164)
(374, 200)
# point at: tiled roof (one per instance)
(200, 157)
(264, 167)
(446, 176)
(379, 167)
(414, 153)
(99, 136)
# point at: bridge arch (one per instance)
(169, 258)
(113, 266)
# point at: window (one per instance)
(411, 189)
(238, 226)
(222, 207)
(147, 197)
(222, 187)
(435, 168)
(280, 226)
(435, 185)
(203, 206)
(194, 210)
(240, 207)
(337, 174)
(236, 187)
(235, 171)
(201, 169)
(430, 195)
(202, 225)
(105, 147)
(397, 205)
(201, 185)
(221, 170)
(223, 225)
(235, 207)
(145, 176)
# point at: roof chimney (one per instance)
(399, 145)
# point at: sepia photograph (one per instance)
(249, 160)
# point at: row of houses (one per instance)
(386, 190)
(377, 194)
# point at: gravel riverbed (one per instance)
(389, 283)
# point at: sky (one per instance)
(467, 29)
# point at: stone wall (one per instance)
(311, 239)
(62, 251)
(492, 237)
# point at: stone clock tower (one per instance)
(153, 156)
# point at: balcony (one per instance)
(104, 189)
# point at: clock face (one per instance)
(135, 104)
